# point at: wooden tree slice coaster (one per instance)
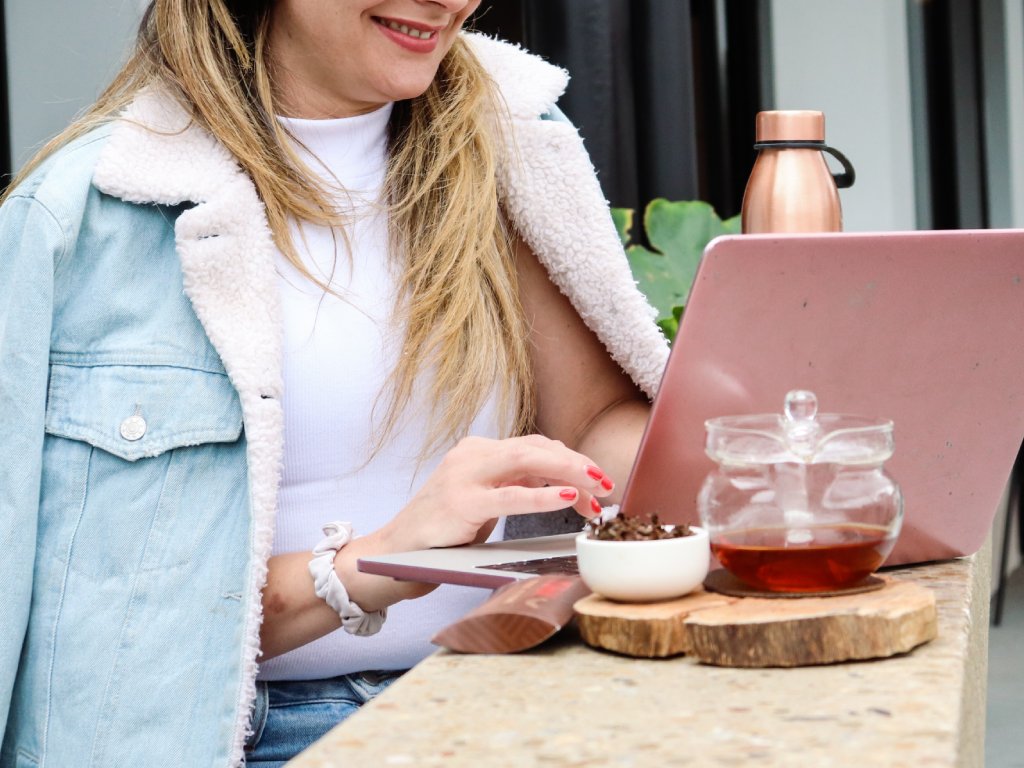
(649, 630)
(758, 632)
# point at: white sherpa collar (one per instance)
(529, 85)
(164, 158)
(548, 186)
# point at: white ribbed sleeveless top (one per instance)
(338, 352)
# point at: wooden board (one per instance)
(757, 632)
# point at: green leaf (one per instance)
(623, 218)
(665, 281)
(678, 232)
(682, 228)
(670, 327)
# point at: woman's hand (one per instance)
(480, 480)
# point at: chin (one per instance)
(406, 94)
(408, 87)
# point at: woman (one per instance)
(305, 261)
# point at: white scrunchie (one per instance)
(354, 619)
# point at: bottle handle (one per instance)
(843, 180)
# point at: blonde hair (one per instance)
(458, 302)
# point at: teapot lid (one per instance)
(799, 435)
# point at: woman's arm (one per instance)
(292, 613)
(32, 242)
(584, 398)
(592, 417)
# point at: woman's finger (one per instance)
(521, 500)
(498, 462)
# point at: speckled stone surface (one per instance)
(565, 704)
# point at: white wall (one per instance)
(1013, 11)
(849, 59)
(60, 55)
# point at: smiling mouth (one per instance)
(417, 33)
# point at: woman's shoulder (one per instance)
(62, 181)
(529, 85)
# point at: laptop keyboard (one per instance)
(562, 564)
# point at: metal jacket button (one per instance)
(133, 428)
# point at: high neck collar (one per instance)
(349, 149)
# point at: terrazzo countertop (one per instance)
(565, 704)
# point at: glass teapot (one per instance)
(800, 502)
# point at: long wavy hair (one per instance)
(457, 304)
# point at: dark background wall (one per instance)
(664, 92)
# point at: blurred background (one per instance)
(926, 97)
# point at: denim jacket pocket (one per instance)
(140, 464)
(134, 411)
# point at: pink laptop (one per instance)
(924, 328)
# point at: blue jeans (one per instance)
(290, 715)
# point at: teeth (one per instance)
(406, 30)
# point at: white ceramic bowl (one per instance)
(643, 571)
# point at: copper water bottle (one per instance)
(791, 188)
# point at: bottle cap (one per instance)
(790, 125)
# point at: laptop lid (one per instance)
(919, 327)
(923, 328)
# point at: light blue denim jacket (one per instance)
(140, 387)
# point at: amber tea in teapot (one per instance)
(832, 558)
(800, 502)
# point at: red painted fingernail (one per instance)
(596, 506)
(568, 494)
(594, 472)
(607, 484)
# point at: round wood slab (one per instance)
(758, 632)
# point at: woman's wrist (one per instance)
(372, 592)
(329, 587)
(294, 615)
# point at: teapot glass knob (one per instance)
(801, 405)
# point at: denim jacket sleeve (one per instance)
(31, 243)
